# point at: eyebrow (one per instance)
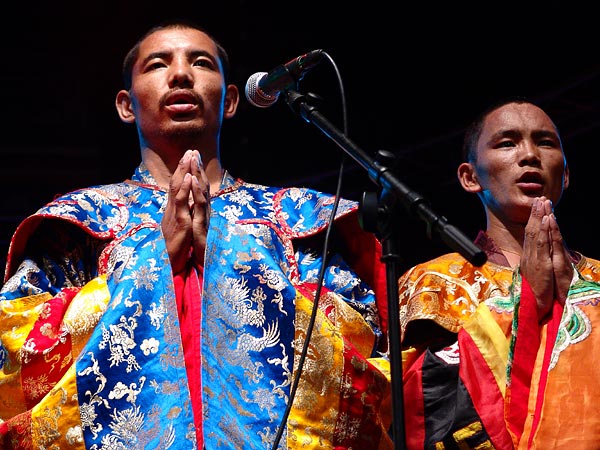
(546, 133)
(166, 55)
(515, 133)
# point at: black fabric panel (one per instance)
(448, 406)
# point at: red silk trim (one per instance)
(188, 292)
(484, 391)
(551, 333)
(525, 352)
(49, 358)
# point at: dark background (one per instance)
(413, 76)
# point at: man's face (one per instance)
(519, 157)
(178, 86)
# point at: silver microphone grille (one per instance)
(255, 95)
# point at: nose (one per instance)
(529, 153)
(180, 75)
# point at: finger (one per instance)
(536, 260)
(178, 175)
(201, 197)
(548, 220)
(532, 229)
(559, 249)
(556, 236)
(177, 214)
(183, 195)
(176, 224)
(197, 166)
(547, 208)
(543, 242)
(200, 220)
(561, 262)
(200, 184)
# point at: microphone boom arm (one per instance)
(414, 204)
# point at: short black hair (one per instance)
(133, 54)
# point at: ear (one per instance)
(566, 177)
(123, 104)
(468, 178)
(232, 98)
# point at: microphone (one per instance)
(263, 88)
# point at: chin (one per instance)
(185, 130)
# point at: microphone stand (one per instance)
(383, 214)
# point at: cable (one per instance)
(313, 316)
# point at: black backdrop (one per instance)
(413, 75)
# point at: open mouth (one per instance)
(530, 181)
(182, 102)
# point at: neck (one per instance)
(507, 236)
(513, 258)
(507, 240)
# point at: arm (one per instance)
(57, 255)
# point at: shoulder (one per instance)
(307, 211)
(585, 264)
(298, 211)
(447, 265)
(99, 211)
(446, 290)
